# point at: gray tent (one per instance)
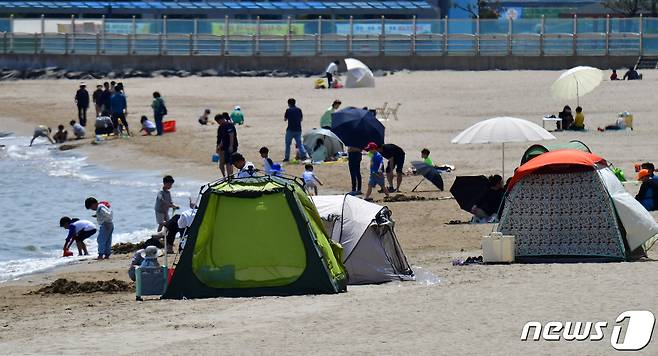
(331, 144)
(372, 253)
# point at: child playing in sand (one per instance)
(78, 231)
(579, 120)
(267, 161)
(163, 202)
(203, 119)
(310, 179)
(376, 170)
(237, 116)
(105, 219)
(61, 134)
(425, 154)
(148, 127)
(78, 130)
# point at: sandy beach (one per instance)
(472, 309)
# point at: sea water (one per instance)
(40, 184)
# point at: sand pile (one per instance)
(64, 286)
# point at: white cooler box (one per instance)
(498, 248)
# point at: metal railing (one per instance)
(436, 37)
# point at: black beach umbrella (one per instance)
(428, 172)
(467, 190)
(357, 127)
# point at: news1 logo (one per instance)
(636, 335)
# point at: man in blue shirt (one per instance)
(294, 118)
(119, 110)
(376, 170)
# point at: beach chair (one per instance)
(150, 281)
(393, 111)
(382, 112)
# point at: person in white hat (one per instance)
(237, 116)
(82, 102)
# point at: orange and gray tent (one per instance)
(256, 236)
(372, 253)
(568, 206)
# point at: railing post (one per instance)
(445, 35)
(43, 32)
(132, 37)
(222, 50)
(103, 34)
(607, 35)
(36, 42)
(160, 44)
(11, 33)
(190, 44)
(226, 35)
(287, 38)
(575, 35)
(318, 49)
(382, 37)
(72, 33)
(195, 42)
(98, 43)
(413, 36)
(641, 35)
(257, 45)
(350, 37)
(509, 36)
(66, 43)
(164, 34)
(477, 36)
(541, 35)
(5, 38)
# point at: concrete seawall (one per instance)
(306, 64)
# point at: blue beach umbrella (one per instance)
(357, 127)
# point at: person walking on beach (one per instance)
(119, 109)
(159, 111)
(105, 220)
(78, 232)
(82, 101)
(163, 202)
(96, 98)
(42, 131)
(227, 143)
(294, 118)
(325, 120)
(331, 72)
(354, 163)
(395, 156)
(310, 180)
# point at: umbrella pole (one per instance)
(503, 175)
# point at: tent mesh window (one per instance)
(562, 214)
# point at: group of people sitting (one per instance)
(236, 117)
(631, 74)
(61, 135)
(569, 121)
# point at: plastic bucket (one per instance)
(169, 126)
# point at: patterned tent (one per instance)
(568, 205)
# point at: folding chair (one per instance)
(393, 111)
(382, 112)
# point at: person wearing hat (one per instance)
(146, 257)
(648, 194)
(376, 170)
(325, 120)
(237, 116)
(82, 101)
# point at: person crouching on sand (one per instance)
(78, 232)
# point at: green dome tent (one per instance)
(255, 236)
(535, 150)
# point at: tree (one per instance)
(630, 8)
(484, 9)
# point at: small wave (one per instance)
(30, 248)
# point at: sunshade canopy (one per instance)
(357, 127)
(332, 144)
(358, 74)
(502, 130)
(576, 82)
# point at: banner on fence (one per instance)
(391, 29)
(248, 29)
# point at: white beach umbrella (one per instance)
(576, 82)
(502, 130)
